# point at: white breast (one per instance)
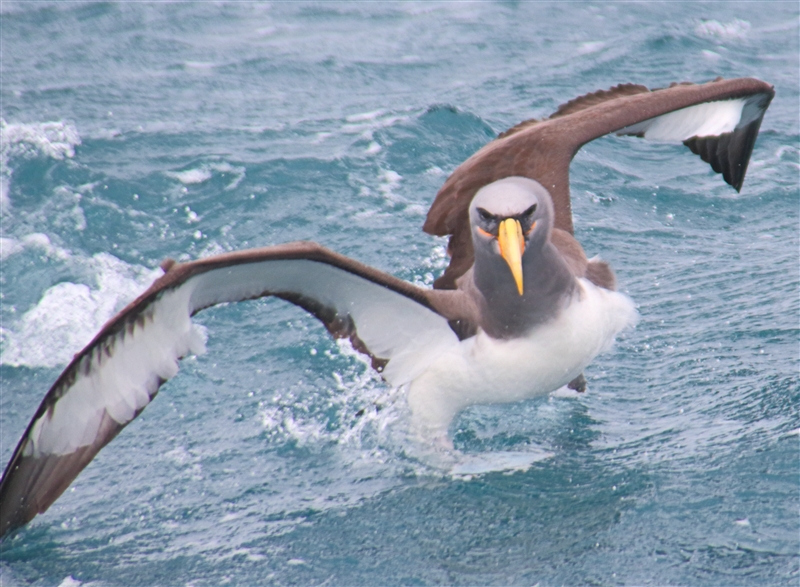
(483, 370)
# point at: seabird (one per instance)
(520, 311)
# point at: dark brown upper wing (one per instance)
(117, 375)
(718, 120)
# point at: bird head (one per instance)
(508, 217)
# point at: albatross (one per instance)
(520, 311)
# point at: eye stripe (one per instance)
(486, 216)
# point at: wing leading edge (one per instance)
(116, 376)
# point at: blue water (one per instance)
(132, 132)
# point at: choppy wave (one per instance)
(56, 140)
(188, 129)
(69, 314)
(723, 31)
(205, 172)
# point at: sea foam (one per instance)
(69, 314)
(56, 140)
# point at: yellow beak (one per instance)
(512, 245)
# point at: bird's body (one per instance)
(537, 323)
(483, 369)
(520, 311)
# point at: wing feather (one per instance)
(118, 374)
(718, 120)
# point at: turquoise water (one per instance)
(134, 132)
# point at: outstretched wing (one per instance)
(114, 378)
(718, 120)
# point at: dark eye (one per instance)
(529, 212)
(485, 216)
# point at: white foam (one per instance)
(435, 171)
(367, 123)
(36, 240)
(432, 265)
(191, 176)
(56, 140)
(735, 29)
(564, 392)
(206, 171)
(390, 180)
(365, 116)
(590, 47)
(51, 139)
(9, 246)
(508, 462)
(70, 314)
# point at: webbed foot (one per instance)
(578, 384)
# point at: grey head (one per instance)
(521, 277)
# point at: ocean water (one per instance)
(132, 132)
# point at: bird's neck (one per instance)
(548, 287)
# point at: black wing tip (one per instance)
(729, 153)
(9, 525)
(15, 511)
(737, 185)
